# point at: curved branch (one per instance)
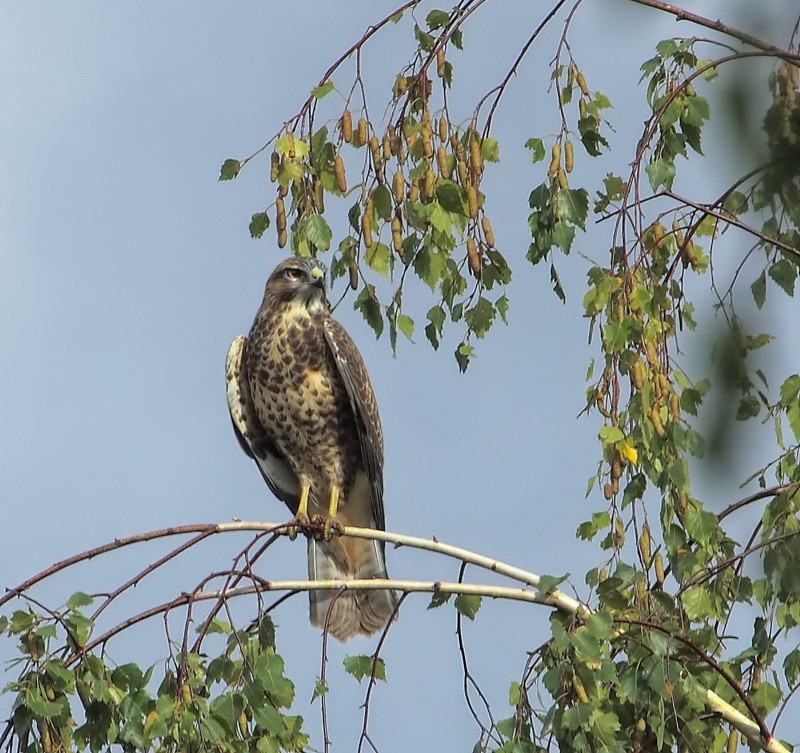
(501, 87)
(684, 15)
(371, 31)
(553, 598)
(756, 730)
(773, 491)
(746, 726)
(205, 530)
(735, 221)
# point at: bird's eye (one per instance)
(294, 274)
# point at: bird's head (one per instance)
(299, 281)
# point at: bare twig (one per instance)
(371, 685)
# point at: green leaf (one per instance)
(480, 317)
(266, 632)
(468, 605)
(577, 716)
(318, 141)
(320, 689)
(610, 435)
(490, 150)
(784, 273)
(78, 600)
(666, 48)
(406, 325)
(572, 205)
(759, 290)
(501, 304)
(548, 582)
(319, 232)
(449, 195)
(41, 707)
(701, 525)
(696, 111)
(382, 201)
(600, 521)
(439, 218)
(268, 718)
(268, 669)
(227, 708)
(736, 203)
(378, 256)
(538, 151)
(365, 666)
(436, 19)
(230, 169)
(218, 626)
(600, 625)
(426, 41)
(259, 223)
(433, 330)
(439, 598)
(749, 407)
(697, 604)
(661, 172)
(563, 235)
(790, 390)
(80, 627)
(429, 266)
(587, 646)
(793, 417)
(284, 146)
(369, 306)
(463, 355)
(615, 335)
(320, 91)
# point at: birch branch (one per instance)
(553, 598)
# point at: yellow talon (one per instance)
(301, 516)
(334, 503)
(329, 524)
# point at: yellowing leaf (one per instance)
(628, 451)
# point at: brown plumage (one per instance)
(303, 408)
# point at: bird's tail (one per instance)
(352, 612)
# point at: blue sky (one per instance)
(128, 269)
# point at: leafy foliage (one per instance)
(67, 699)
(637, 670)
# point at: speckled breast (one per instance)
(301, 400)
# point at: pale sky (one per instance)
(128, 269)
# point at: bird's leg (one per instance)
(301, 516)
(329, 523)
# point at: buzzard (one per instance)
(303, 408)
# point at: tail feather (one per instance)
(352, 612)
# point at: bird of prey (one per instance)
(303, 408)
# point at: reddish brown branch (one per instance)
(368, 696)
(773, 491)
(204, 529)
(766, 736)
(501, 87)
(684, 15)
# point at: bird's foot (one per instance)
(298, 522)
(330, 526)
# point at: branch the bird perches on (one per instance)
(553, 597)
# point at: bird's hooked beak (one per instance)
(318, 278)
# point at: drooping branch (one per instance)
(681, 14)
(552, 598)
